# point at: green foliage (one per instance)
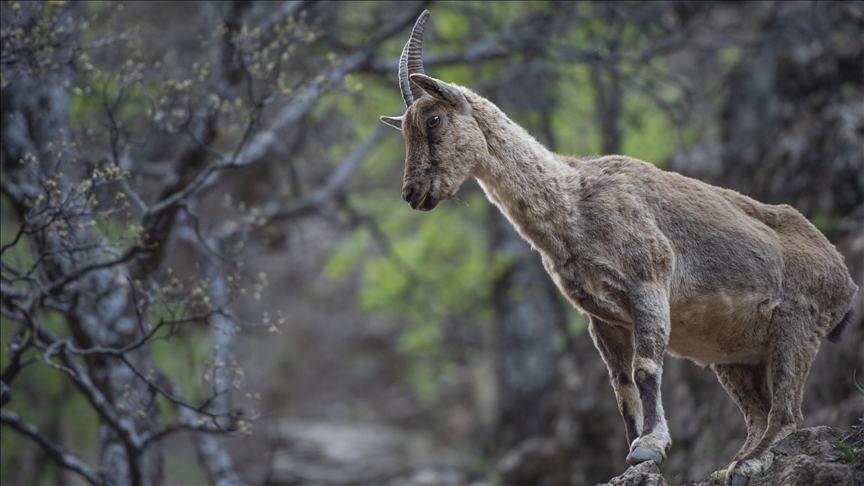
(843, 448)
(451, 24)
(44, 402)
(96, 88)
(438, 268)
(48, 395)
(574, 123)
(850, 453)
(185, 359)
(647, 131)
(823, 221)
(96, 6)
(19, 254)
(117, 232)
(461, 74)
(729, 56)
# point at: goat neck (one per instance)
(531, 185)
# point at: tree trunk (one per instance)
(34, 120)
(527, 314)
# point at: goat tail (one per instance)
(836, 334)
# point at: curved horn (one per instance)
(411, 61)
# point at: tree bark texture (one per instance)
(34, 116)
(34, 123)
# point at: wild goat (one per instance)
(660, 262)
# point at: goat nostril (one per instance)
(407, 192)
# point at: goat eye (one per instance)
(433, 121)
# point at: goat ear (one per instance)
(393, 121)
(437, 89)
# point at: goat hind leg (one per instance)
(790, 363)
(748, 387)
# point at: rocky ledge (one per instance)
(817, 456)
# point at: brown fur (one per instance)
(660, 262)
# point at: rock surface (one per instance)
(645, 474)
(312, 452)
(817, 456)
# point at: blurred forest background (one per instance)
(208, 275)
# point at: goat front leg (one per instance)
(651, 327)
(616, 347)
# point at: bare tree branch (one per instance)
(331, 186)
(60, 455)
(100, 403)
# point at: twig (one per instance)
(333, 184)
(97, 400)
(63, 458)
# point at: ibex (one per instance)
(659, 262)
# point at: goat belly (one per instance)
(721, 328)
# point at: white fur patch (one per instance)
(658, 440)
(649, 366)
(748, 468)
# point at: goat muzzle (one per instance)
(419, 195)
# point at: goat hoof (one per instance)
(642, 454)
(739, 480)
